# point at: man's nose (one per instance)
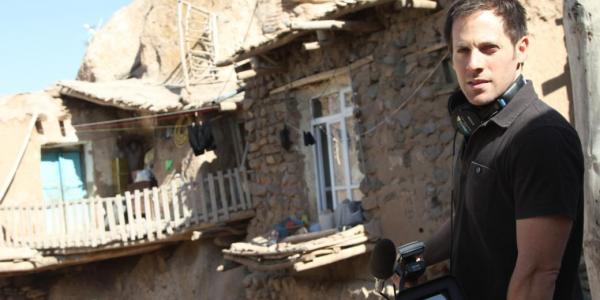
(476, 61)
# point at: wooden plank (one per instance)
(156, 205)
(175, 199)
(202, 198)
(299, 238)
(16, 229)
(322, 76)
(9, 211)
(78, 221)
(93, 232)
(258, 266)
(246, 187)
(185, 193)
(137, 208)
(310, 46)
(213, 199)
(65, 241)
(27, 232)
(130, 219)
(193, 201)
(166, 210)
(147, 213)
(356, 26)
(3, 217)
(100, 213)
(240, 191)
(223, 195)
(121, 218)
(422, 4)
(110, 215)
(331, 258)
(234, 202)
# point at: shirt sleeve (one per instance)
(547, 173)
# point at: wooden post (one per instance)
(2, 224)
(240, 191)
(582, 25)
(246, 187)
(174, 194)
(137, 222)
(167, 212)
(193, 201)
(93, 232)
(100, 213)
(130, 218)
(234, 202)
(156, 205)
(147, 213)
(186, 199)
(202, 197)
(223, 194)
(110, 215)
(213, 200)
(121, 217)
(62, 224)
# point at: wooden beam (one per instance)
(332, 258)
(310, 46)
(261, 49)
(246, 74)
(422, 4)
(322, 76)
(357, 26)
(581, 19)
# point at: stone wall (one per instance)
(277, 189)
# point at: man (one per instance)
(518, 187)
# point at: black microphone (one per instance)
(382, 262)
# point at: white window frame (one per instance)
(328, 121)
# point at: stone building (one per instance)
(368, 79)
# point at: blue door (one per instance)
(63, 180)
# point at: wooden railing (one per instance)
(143, 216)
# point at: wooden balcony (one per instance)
(142, 218)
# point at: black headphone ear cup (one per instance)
(454, 101)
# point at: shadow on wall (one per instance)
(562, 80)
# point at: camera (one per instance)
(410, 262)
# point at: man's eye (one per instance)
(462, 50)
(490, 49)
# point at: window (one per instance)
(337, 169)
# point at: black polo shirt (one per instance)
(524, 162)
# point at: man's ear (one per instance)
(521, 49)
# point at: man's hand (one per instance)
(541, 242)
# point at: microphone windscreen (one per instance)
(383, 258)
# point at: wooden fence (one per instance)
(146, 215)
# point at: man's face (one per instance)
(483, 56)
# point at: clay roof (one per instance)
(135, 94)
(130, 94)
(321, 11)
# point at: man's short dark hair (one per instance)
(513, 13)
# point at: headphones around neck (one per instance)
(466, 117)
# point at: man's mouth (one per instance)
(477, 83)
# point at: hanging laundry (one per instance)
(309, 140)
(201, 138)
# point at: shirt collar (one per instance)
(522, 99)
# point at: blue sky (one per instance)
(42, 41)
